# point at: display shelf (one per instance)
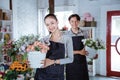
(6, 25)
(90, 24)
(90, 32)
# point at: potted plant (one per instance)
(92, 46)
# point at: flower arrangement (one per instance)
(13, 48)
(25, 41)
(9, 50)
(15, 69)
(95, 44)
(37, 46)
(16, 54)
(92, 46)
(37, 51)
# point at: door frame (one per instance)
(108, 44)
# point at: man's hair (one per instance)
(74, 15)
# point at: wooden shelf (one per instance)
(6, 25)
(90, 24)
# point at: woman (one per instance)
(60, 45)
(78, 69)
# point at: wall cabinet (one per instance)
(6, 25)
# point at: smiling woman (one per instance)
(60, 45)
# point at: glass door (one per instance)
(113, 43)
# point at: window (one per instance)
(63, 18)
(62, 14)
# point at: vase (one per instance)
(35, 58)
(91, 52)
(92, 68)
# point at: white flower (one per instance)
(95, 44)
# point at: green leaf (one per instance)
(37, 48)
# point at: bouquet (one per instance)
(36, 52)
(92, 46)
(95, 44)
(37, 46)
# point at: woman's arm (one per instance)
(68, 50)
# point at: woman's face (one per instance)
(74, 22)
(51, 24)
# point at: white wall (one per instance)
(4, 4)
(25, 17)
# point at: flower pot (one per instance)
(91, 52)
(90, 67)
(35, 58)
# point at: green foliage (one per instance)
(11, 75)
(37, 48)
(97, 44)
(26, 40)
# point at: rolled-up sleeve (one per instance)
(68, 51)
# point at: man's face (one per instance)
(74, 22)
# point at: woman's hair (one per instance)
(52, 16)
(74, 15)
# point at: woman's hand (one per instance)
(44, 48)
(47, 62)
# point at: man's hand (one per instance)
(82, 52)
(95, 57)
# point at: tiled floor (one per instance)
(103, 78)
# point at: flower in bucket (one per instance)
(25, 41)
(37, 46)
(31, 44)
(92, 46)
(36, 52)
(95, 44)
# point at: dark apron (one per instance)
(53, 72)
(78, 69)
